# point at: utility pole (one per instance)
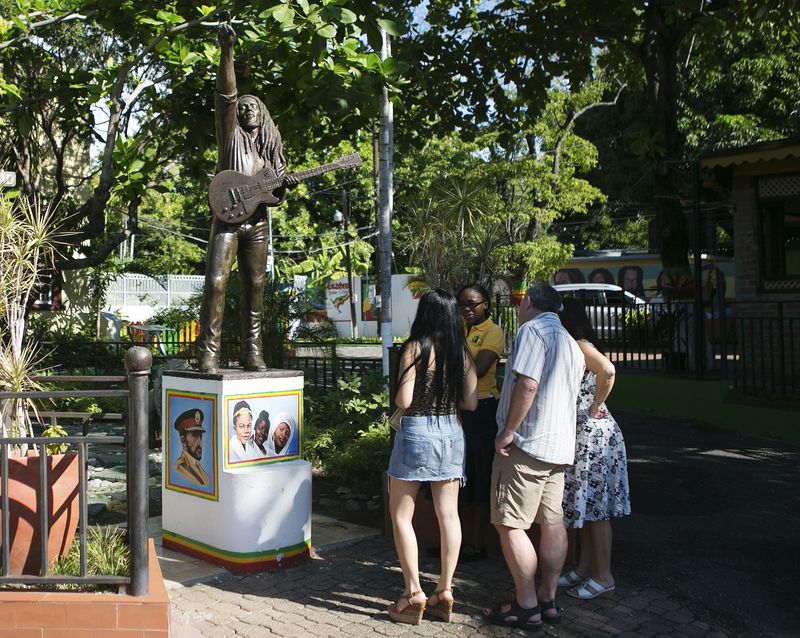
(349, 264)
(386, 207)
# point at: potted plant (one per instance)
(28, 239)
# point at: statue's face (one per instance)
(247, 111)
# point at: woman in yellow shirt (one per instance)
(486, 343)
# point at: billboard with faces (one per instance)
(263, 428)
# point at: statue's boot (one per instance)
(209, 363)
(252, 359)
(254, 363)
(250, 318)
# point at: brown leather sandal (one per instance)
(443, 608)
(410, 615)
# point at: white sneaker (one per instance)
(570, 579)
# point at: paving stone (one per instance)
(314, 600)
(680, 616)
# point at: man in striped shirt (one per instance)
(536, 441)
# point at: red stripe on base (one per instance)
(267, 564)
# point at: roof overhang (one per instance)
(762, 152)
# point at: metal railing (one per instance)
(138, 362)
(321, 364)
(165, 292)
(323, 372)
(753, 346)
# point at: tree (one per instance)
(503, 56)
(148, 68)
(474, 209)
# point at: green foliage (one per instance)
(308, 241)
(602, 231)
(107, 554)
(472, 210)
(150, 69)
(164, 243)
(347, 435)
(53, 431)
(175, 316)
(745, 89)
(539, 259)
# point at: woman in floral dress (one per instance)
(596, 486)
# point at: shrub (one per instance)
(347, 435)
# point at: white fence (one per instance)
(162, 292)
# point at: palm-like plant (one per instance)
(28, 240)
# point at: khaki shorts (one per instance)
(525, 491)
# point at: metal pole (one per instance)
(137, 363)
(346, 213)
(5, 535)
(386, 206)
(44, 509)
(270, 247)
(699, 314)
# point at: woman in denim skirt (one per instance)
(436, 378)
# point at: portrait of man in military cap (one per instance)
(189, 425)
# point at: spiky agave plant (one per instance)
(28, 241)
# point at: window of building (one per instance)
(779, 229)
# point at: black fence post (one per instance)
(137, 363)
(699, 311)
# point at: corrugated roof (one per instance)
(761, 152)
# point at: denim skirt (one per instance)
(428, 448)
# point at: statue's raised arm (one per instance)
(226, 98)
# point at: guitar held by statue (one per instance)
(234, 197)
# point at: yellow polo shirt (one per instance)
(487, 335)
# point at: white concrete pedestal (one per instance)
(243, 504)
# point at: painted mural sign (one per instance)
(191, 440)
(263, 428)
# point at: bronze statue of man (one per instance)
(248, 142)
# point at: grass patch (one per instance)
(107, 554)
(703, 400)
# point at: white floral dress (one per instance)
(596, 487)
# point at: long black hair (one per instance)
(574, 318)
(437, 329)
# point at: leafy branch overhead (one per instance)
(136, 79)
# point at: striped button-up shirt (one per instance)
(544, 351)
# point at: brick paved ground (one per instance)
(345, 593)
(711, 550)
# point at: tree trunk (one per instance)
(659, 59)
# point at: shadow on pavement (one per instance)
(710, 550)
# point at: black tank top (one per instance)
(423, 402)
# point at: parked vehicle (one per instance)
(607, 305)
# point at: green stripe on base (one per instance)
(238, 561)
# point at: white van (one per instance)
(606, 304)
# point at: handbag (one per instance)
(394, 420)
